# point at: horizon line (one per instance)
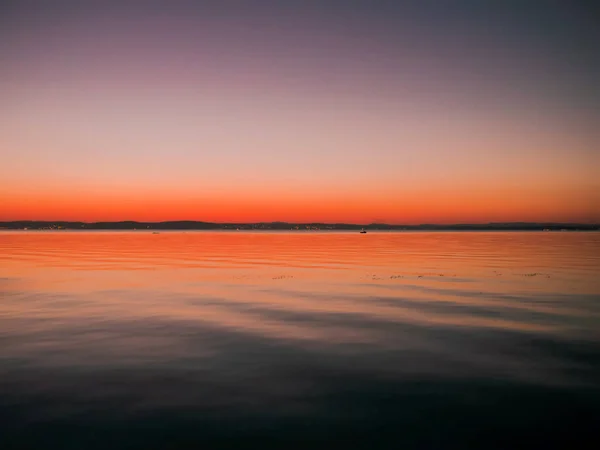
(299, 223)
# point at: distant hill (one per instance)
(195, 225)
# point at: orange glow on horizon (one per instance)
(355, 206)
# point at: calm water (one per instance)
(313, 340)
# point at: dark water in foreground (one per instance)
(311, 340)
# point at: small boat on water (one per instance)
(363, 231)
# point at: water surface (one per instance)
(300, 339)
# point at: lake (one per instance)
(299, 339)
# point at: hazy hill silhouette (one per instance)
(198, 225)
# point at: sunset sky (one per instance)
(353, 111)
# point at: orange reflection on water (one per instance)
(301, 285)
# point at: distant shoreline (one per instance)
(288, 226)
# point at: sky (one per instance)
(336, 111)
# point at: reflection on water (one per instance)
(384, 340)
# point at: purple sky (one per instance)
(387, 99)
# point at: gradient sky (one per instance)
(356, 111)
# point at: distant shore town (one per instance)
(282, 226)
